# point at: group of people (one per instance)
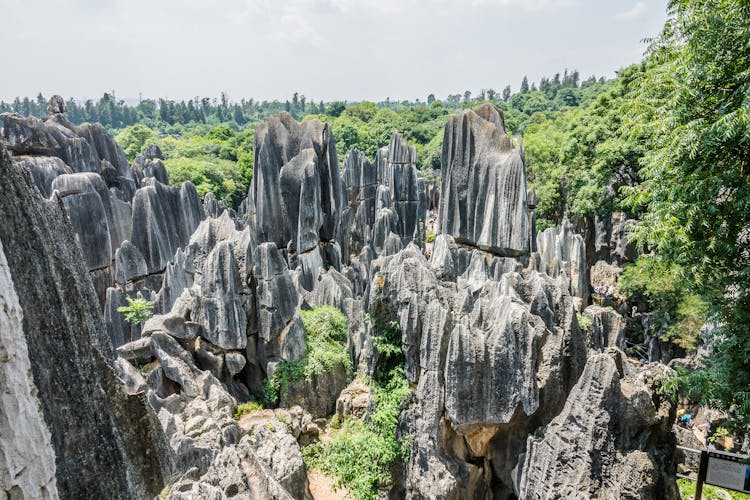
(604, 290)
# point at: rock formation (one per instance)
(128, 221)
(483, 191)
(613, 438)
(562, 251)
(27, 463)
(491, 360)
(107, 443)
(295, 198)
(510, 396)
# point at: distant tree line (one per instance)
(116, 114)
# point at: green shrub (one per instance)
(325, 334)
(429, 236)
(687, 491)
(246, 408)
(584, 322)
(659, 284)
(137, 311)
(360, 454)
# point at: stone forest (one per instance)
(352, 324)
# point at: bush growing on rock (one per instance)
(137, 311)
(325, 335)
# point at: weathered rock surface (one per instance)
(483, 191)
(492, 358)
(277, 142)
(163, 220)
(27, 461)
(607, 328)
(612, 440)
(396, 167)
(107, 443)
(280, 333)
(562, 251)
(107, 201)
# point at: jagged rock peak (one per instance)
(56, 105)
(275, 198)
(483, 197)
(153, 152)
(612, 439)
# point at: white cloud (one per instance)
(635, 12)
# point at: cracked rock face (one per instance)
(612, 440)
(483, 192)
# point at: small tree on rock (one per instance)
(137, 311)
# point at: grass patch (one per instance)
(246, 408)
(687, 491)
(325, 336)
(360, 454)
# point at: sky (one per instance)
(324, 49)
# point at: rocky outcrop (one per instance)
(483, 191)
(560, 250)
(386, 202)
(492, 358)
(107, 443)
(27, 461)
(163, 220)
(109, 204)
(360, 180)
(607, 328)
(396, 167)
(296, 198)
(612, 440)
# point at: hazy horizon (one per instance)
(324, 49)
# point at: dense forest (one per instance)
(667, 141)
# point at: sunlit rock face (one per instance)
(483, 191)
(27, 463)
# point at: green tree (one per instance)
(524, 85)
(506, 93)
(696, 187)
(133, 140)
